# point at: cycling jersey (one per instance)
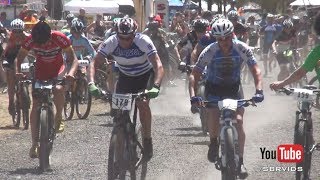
(82, 47)
(269, 32)
(13, 46)
(134, 60)
(312, 61)
(49, 55)
(223, 70)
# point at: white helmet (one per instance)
(222, 28)
(17, 24)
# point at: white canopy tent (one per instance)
(305, 3)
(92, 6)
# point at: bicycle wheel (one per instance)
(46, 137)
(83, 99)
(300, 137)
(25, 106)
(115, 157)
(16, 115)
(229, 171)
(68, 108)
(141, 166)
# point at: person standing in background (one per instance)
(4, 21)
(82, 17)
(24, 12)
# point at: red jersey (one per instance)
(49, 55)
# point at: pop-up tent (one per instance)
(93, 6)
(305, 3)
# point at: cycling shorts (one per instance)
(134, 84)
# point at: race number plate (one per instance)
(25, 67)
(42, 85)
(228, 104)
(83, 63)
(121, 101)
(304, 95)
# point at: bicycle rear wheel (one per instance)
(16, 115)
(25, 106)
(46, 137)
(229, 171)
(83, 99)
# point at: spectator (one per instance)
(178, 25)
(44, 15)
(24, 12)
(233, 6)
(98, 27)
(30, 20)
(82, 17)
(4, 21)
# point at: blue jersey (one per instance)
(222, 70)
(134, 60)
(82, 47)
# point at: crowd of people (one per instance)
(221, 45)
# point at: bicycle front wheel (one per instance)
(25, 106)
(300, 137)
(229, 171)
(83, 99)
(68, 108)
(46, 137)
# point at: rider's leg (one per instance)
(58, 99)
(213, 128)
(11, 91)
(34, 153)
(242, 136)
(265, 58)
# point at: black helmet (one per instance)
(233, 15)
(77, 25)
(153, 25)
(200, 25)
(70, 17)
(41, 32)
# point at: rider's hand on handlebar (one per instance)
(196, 101)
(153, 92)
(258, 97)
(182, 66)
(94, 90)
(20, 76)
(276, 85)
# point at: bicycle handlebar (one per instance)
(241, 102)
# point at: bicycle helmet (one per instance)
(295, 20)
(70, 17)
(17, 24)
(233, 15)
(200, 25)
(126, 26)
(153, 25)
(41, 32)
(216, 18)
(287, 24)
(115, 22)
(222, 28)
(77, 26)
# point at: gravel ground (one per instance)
(180, 149)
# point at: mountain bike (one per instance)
(21, 95)
(303, 130)
(45, 112)
(201, 92)
(79, 97)
(125, 151)
(229, 152)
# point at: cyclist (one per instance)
(224, 59)
(240, 30)
(199, 28)
(311, 63)
(137, 59)
(47, 46)
(16, 39)
(81, 45)
(66, 29)
(283, 43)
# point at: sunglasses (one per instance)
(224, 38)
(125, 38)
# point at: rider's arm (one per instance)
(71, 58)
(195, 53)
(88, 29)
(96, 62)
(157, 67)
(194, 78)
